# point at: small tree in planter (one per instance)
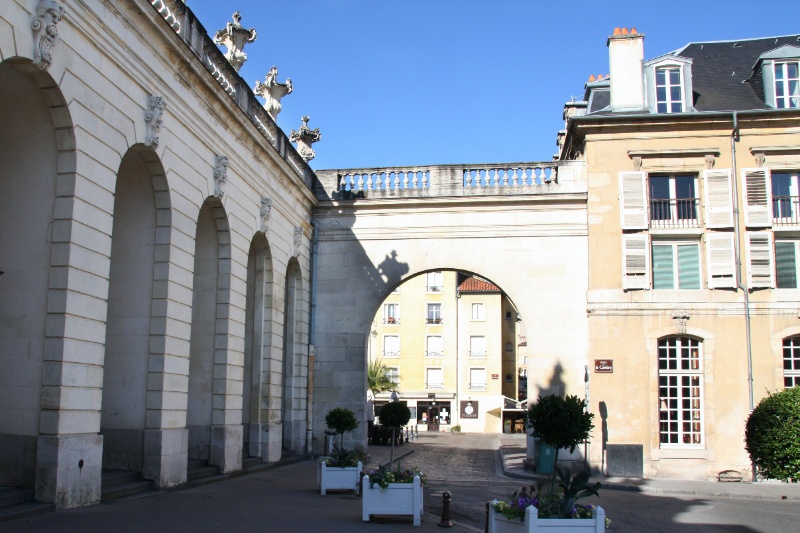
(342, 469)
(560, 422)
(395, 415)
(772, 435)
(341, 421)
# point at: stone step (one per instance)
(117, 477)
(12, 496)
(22, 510)
(200, 470)
(248, 462)
(123, 490)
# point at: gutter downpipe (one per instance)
(739, 283)
(312, 349)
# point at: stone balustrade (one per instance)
(180, 19)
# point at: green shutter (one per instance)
(688, 266)
(663, 277)
(785, 264)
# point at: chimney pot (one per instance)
(616, 31)
(591, 78)
(633, 31)
(624, 31)
(599, 77)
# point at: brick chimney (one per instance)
(625, 58)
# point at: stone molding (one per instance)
(153, 120)
(45, 32)
(220, 175)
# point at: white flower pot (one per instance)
(396, 499)
(533, 524)
(335, 478)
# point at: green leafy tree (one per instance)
(395, 415)
(772, 435)
(341, 420)
(378, 378)
(560, 422)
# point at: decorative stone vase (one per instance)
(533, 524)
(396, 499)
(336, 478)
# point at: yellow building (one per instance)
(449, 342)
(692, 163)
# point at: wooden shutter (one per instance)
(757, 197)
(635, 262)
(759, 259)
(721, 261)
(633, 200)
(719, 198)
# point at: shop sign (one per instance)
(469, 409)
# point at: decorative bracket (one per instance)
(710, 159)
(45, 32)
(272, 92)
(153, 119)
(220, 175)
(234, 37)
(637, 163)
(679, 319)
(305, 137)
(266, 212)
(760, 159)
(298, 237)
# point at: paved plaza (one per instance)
(474, 468)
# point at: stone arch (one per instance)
(776, 350)
(37, 157)
(139, 248)
(293, 396)
(208, 371)
(257, 350)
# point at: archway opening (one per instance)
(293, 396)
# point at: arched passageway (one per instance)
(294, 361)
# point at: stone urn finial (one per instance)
(305, 137)
(234, 37)
(272, 92)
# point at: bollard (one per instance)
(445, 521)
(486, 527)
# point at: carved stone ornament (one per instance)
(637, 163)
(680, 319)
(220, 175)
(45, 32)
(760, 158)
(710, 159)
(153, 119)
(234, 37)
(305, 137)
(298, 237)
(272, 92)
(266, 212)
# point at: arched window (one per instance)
(680, 391)
(791, 362)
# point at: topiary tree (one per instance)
(560, 422)
(341, 420)
(394, 415)
(772, 435)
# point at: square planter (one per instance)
(396, 499)
(335, 478)
(533, 524)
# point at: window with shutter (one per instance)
(786, 263)
(721, 261)
(635, 262)
(785, 198)
(757, 197)
(676, 265)
(673, 201)
(633, 200)
(759, 255)
(719, 198)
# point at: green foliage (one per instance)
(377, 378)
(341, 458)
(383, 476)
(772, 435)
(341, 420)
(575, 488)
(395, 414)
(560, 422)
(551, 504)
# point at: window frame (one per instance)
(475, 353)
(796, 250)
(669, 62)
(393, 354)
(668, 101)
(481, 312)
(675, 263)
(396, 370)
(477, 386)
(791, 374)
(431, 353)
(676, 206)
(786, 98)
(431, 318)
(686, 380)
(391, 318)
(434, 282)
(434, 386)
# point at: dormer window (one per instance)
(668, 81)
(669, 95)
(787, 84)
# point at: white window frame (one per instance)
(669, 102)
(434, 351)
(720, 261)
(391, 313)
(796, 245)
(785, 210)
(477, 346)
(669, 61)
(477, 311)
(393, 374)
(675, 263)
(680, 379)
(391, 346)
(759, 250)
(675, 207)
(434, 282)
(476, 384)
(787, 100)
(791, 362)
(433, 385)
(431, 313)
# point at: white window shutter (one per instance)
(721, 261)
(635, 261)
(719, 198)
(633, 200)
(757, 197)
(759, 259)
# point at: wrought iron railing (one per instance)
(785, 210)
(674, 213)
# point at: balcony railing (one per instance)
(433, 385)
(391, 354)
(434, 288)
(481, 353)
(433, 320)
(391, 320)
(674, 213)
(431, 353)
(785, 210)
(477, 386)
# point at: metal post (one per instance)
(486, 527)
(445, 521)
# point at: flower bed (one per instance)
(338, 478)
(532, 523)
(394, 499)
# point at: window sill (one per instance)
(679, 451)
(677, 232)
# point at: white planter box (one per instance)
(334, 478)
(533, 524)
(396, 499)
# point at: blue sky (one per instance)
(418, 82)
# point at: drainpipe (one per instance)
(737, 240)
(312, 349)
(457, 407)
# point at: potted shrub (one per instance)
(528, 510)
(394, 415)
(456, 430)
(342, 469)
(392, 492)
